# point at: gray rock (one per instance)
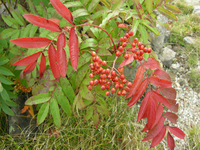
(189, 40)
(175, 67)
(192, 2)
(196, 10)
(167, 56)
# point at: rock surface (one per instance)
(189, 40)
(196, 10)
(167, 56)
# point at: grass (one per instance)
(119, 130)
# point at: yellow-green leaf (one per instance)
(139, 8)
(37, 99)
(144, 34)
(135, 25)
(42, 114)
(167, 14)
(106, 4)
(55, 112)
(89, 113)
(158, 3)
(173, 8)
(149, 5)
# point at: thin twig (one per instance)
(7, 8)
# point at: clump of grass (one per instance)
(185, 9)
(194, 137)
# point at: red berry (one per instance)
(113, 73)
(133, 50)
(145, 50)
(113, 90)
(127, 89)
(135, 57)
(108, 83)
(121, 39)
(125, 38)
(129, 84)
(126, 35)
(130, 33)
(126, 56)
(116, 79)
(141, 47)
(107, 93)
(135, 40)
(118, 53)
(137, 53)
(122, 76)
(93, 54)
(96, 82)
(141, 52)
(107, 87)
(94, 59)
(91, 75)
(124, 44)
(91, 82)
(99, 61)
(133, 45)
(90, 87)
(123, 92)
(140, 58)
(103, 87)
(124, 81)
(120, 48)
(104, 81)
(92, 66)
(121, 86)
(107, 71)
(119, 93)
(104, 76)
(103, 63)
(139, 44)
(109, 76)
(120, 69)
(149, 50)
(117, 86)
(103, 71)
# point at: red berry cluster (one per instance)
(137, 48)
(109, 80)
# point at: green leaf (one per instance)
(33, 30)
(7, 33)
(135, 26)
(89, 113)
(85, 93)
(18, 17)
(55, 112)
(90, 42)
(173, 8)
(7, 110)
(139, 8)
(93, 5)
(5, 95)
(165, 25)
(10, 103)
(83, 59)
(3, 60)
(103, 110)
(14, 36)
(117, 5)
(67, 89)
(149, 5)
(96, 119)
(62, 100)
(22, 10)
(167, 14)
(32, 7)
(144, 34)
(5, 71)
(98, 14)
(10, 21)
(79, 12)
(78, 102)
(1, 87)
(37, 99)
(42, 114)
(5, 80)
(81, 74)
(27, 30)
(106, 4)
(158, 3)
(73, 4)
(15, 51)
(108, 17)
(153, 29)
(168, 1)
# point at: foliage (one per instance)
(100, 25)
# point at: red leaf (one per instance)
(145, 128)
(168, 92)
(155, 130)
(61, 54)
(122, 25)
(73, 48)
(62, 10)
(53, 62)
(56, 21)
(31, 42)
(42, 22)
(159, 112)
(151, 112)
(162, 75)
(143, 106)
(151, 64)
(177, 132)
(127, 61)
(160, 98)
(137, 81)
(42, 65)
(29, 68)
(157, 139)
(160, 82)
(171, 117)
(170, 141)
(140, 91)
(27, 60)
(174, 105)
